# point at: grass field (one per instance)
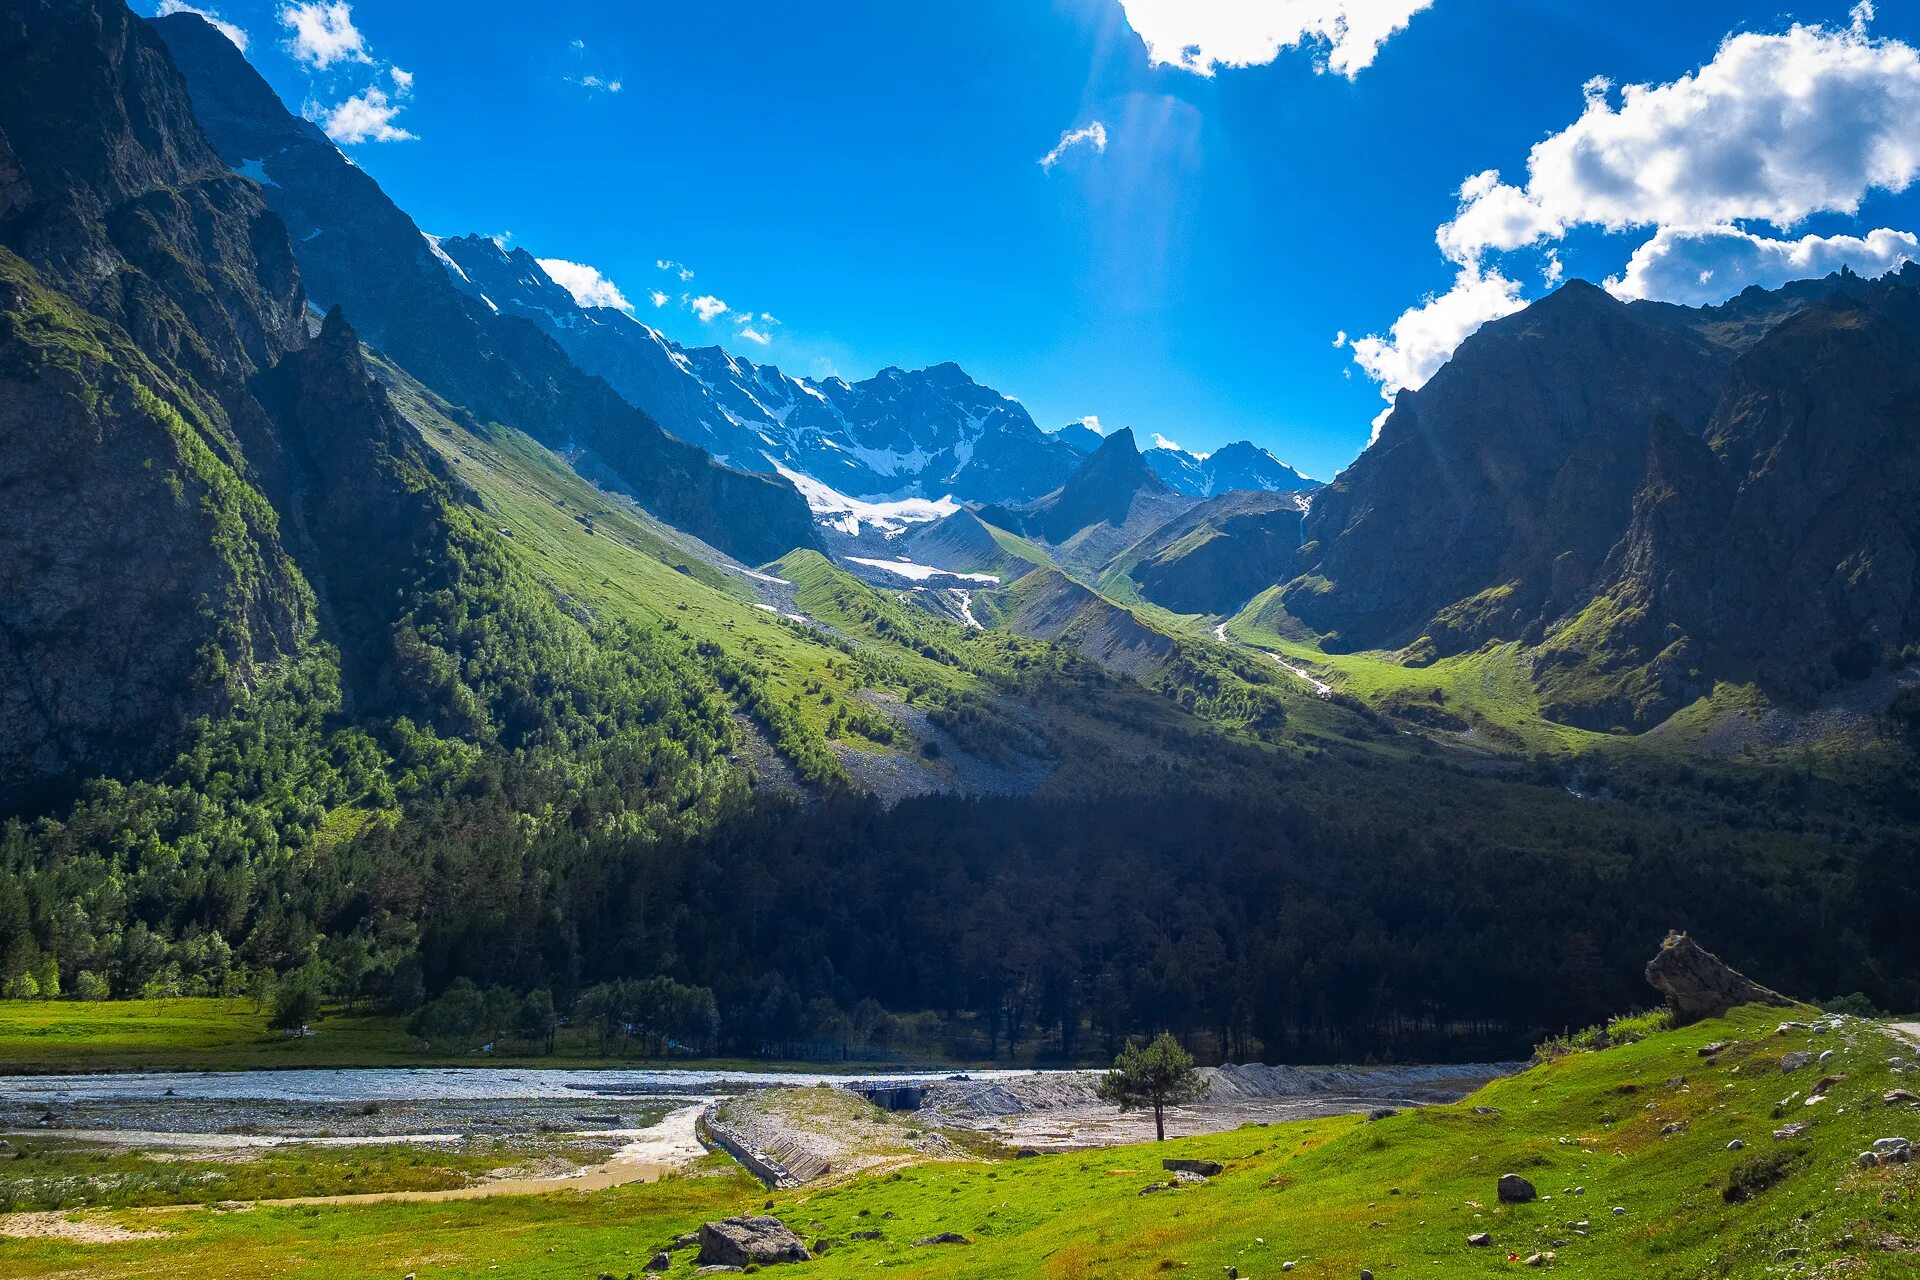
(1642, 1128)
(65, 1037)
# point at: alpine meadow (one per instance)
(516, 762)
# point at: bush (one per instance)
(1759, 1173)
(1855, 1006)
(295, 1004)
(1629, 1029)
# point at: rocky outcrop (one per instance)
(1106, 490)
(747, 1242)
(1698, 984)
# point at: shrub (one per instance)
(1759, 1173)
(1629, 1029)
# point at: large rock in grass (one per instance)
(1699, 984)
(744, 1242)
(1515, 1189)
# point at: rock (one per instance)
(1486, 1111)
(1366, 1275)
(1205, 1168)
(1718, 1046)
(740, 1242)
(863, 1235)
(1894, 1096)
(1152, 1187)
(659, 1262)
(1893, 1150)
(1025, 1153)
(1480, 1240)
(1537, 1260)
(1827, 1082)
(1792, 1062)
(945, 1237)
(1698, 984)
(717, 1271)
(1382, 1113)
(1187, 1179)
(1668, 1130)
(1736, 1145)
(686, 1241)
(1515, 1189)
(1619, 1211)
(1826, 1056)
(1286, 1266)
(1867, 1160)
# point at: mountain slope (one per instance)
(1495, 493)
(1112, 490)
(360, 252)
(1219, 555)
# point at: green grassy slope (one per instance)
(1643, 1128)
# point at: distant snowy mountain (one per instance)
(1239, 466)
(927, 434)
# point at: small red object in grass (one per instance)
(1513, 1257)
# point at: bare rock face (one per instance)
(743, 1242)
(1698, 984)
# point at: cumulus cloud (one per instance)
(1699, 266)
(365, 117)
(220, 24)
(707, 307)
(659, 299)
(588, 287)
(1092, 423)
(402, 81)
(1425, 337)
(323, 33)
(679, 268)
(1203, 35)
(1093, 135)
(1161, 442)
(1774, 129)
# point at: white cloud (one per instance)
(754, 335)
(588, 287)
(1774, 129)
(323, 33)
(596, 83)
(220, 24)
(1092, 423)
(659, 299)
(365, 117)
(1704, 265)
(1094, 135)
(1425, 337)
(1203, 35)
(402, 81)
(680, 268)
(707, 307)
(1161, 442)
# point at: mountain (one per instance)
(357, 250)
(1107, 489)
(1082, 437)
(1219, 554)
(1495, 493)
(1239, 466)
(203, 500)
(1658, 498)
(929, 433)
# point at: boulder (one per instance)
(659, 1262)
(1787, 1133)
(742, 1242)
(1480, 1240)
(1893, 1097)
(945, 1237)
(1698, 984)
(1515, 1189)
(1205, 1168)
(1792, 1062)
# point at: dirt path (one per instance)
(653, 1153)
(1908, 1031)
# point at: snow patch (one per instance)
(923, 572)
(849, 515)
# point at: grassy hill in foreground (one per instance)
(1644, 1129)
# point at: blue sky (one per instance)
(863, 180)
